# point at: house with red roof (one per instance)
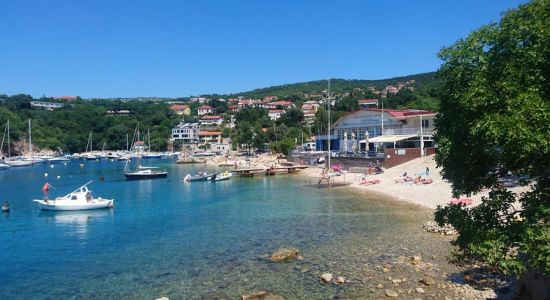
(275, 114)
(283, 103)
(204, 110)
(180, 109)
(209, 121)
(366, 103)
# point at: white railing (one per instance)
(407, 131)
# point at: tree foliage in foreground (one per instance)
(495, 118)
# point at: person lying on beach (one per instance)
(402, 179)
(369, 182)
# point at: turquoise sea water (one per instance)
(193, 240)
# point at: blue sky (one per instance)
(112, 48)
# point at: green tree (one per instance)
(495, 118)
(291, 117)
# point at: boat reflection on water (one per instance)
(75, 222)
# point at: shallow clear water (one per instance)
(195, 241)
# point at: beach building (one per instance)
(371, 131)
(180, 109)
(204, 110)
(186, 133)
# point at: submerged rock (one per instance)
(261, 295)
(285, 254)
(392, 294)
(326, 277)
(340, 280)
(427, 281)
(419, 290)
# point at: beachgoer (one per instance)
(427, 171)
(370, 164)
(323, 174)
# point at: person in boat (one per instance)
(88, 197)
(45, 191)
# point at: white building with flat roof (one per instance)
(187, 133)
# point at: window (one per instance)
(425, 123)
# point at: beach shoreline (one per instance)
(437, 193)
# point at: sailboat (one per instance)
(142, 172)
(150, 154)
(30, 155)
(4, 166)
(89, 155)
(15, 161)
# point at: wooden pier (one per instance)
(250, 172)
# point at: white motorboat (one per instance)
(146, 173)
(80, 199)
(58, 160)
(18, 162)
(4, 166)
(223, 176)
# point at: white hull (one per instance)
(4, 166)
(19, 163)
(221, 177)
(96, 204)
(58, 160)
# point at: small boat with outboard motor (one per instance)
(201, 176)
(223, 176)
(79, 199)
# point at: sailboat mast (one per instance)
(328, 129)
(30, 139)
(148, 140)
(126, 142)
(91, 142)
(9, 150)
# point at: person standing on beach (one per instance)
(427, 171)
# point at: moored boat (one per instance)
(18, 162)
(146, 173)
(223, 176)
(200, 177)
(4, 166)
(80, 199)
(58, 160)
